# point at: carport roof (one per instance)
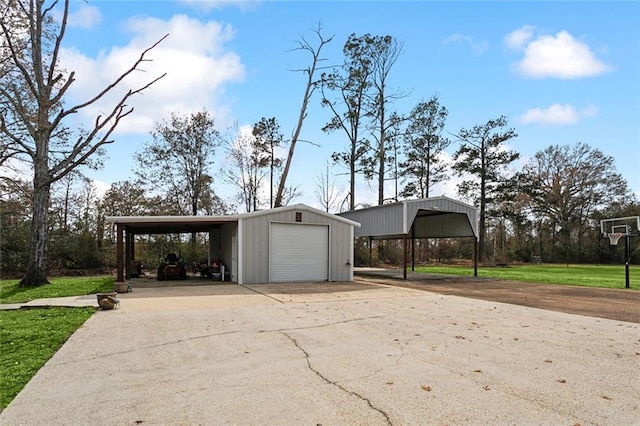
(437, 217)
(169, 224)
(188, 224)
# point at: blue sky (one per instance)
(562, 72)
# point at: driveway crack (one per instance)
(330, 324)
(332, 383)
(204, 336)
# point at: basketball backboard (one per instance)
(628, 226)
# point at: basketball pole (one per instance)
(627, 252)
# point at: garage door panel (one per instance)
(299, 252)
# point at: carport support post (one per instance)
(404, 267)
(119, 252)
(627, 256)
(475, 256)
(128, 240)
(413, 249)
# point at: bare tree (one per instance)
(65, 199)
(33, 105)
(327, 193)
(18, 26)
(310, 71)
(178, 159)
(566, 184)
(246, 168)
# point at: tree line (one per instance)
(547, 209)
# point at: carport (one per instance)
(285, 244)
(127, 227)
(437, 217)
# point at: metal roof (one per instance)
(169, 224)
(188, 224)
(437, 217)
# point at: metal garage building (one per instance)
(286, 244)
(437, 217)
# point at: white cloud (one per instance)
(13, 168)
(208, 5)
(85, 17)
(559, 56)
(100, 187)
(194, 56)
(479, 47)
(557, 114)
(518, 39)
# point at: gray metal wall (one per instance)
(378, 221)
(396, 219)
(453, 225)
(254, 237)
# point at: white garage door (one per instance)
(299, 252)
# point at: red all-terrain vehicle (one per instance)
(172, 267)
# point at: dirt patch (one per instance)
(616, 304)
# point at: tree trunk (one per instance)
(482, 232)
(308, 91)
(483, 207)
(292, 145)
(381, 157)
(37, 268)
(352, 178)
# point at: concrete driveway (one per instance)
(332, 354)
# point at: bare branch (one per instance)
(15, 56)
(310, 142)
(56, 50)
(309, 89)
(111, 86)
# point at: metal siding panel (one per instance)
(339, 243)
(240, 246)
(246, 252)
(256, 243)
(337, 251)
(341, 251)
(256, 250)
(388, 220)
(378, 221)
(262, 249)
(299, 252)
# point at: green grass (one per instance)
(29, 338)
(607, 276)
(59, 287)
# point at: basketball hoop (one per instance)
(614, 237)
(616, 228)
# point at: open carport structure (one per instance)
(437, 217)
(286, 244)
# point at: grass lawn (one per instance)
(608, 276)
(29, 337)
(59, 287)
